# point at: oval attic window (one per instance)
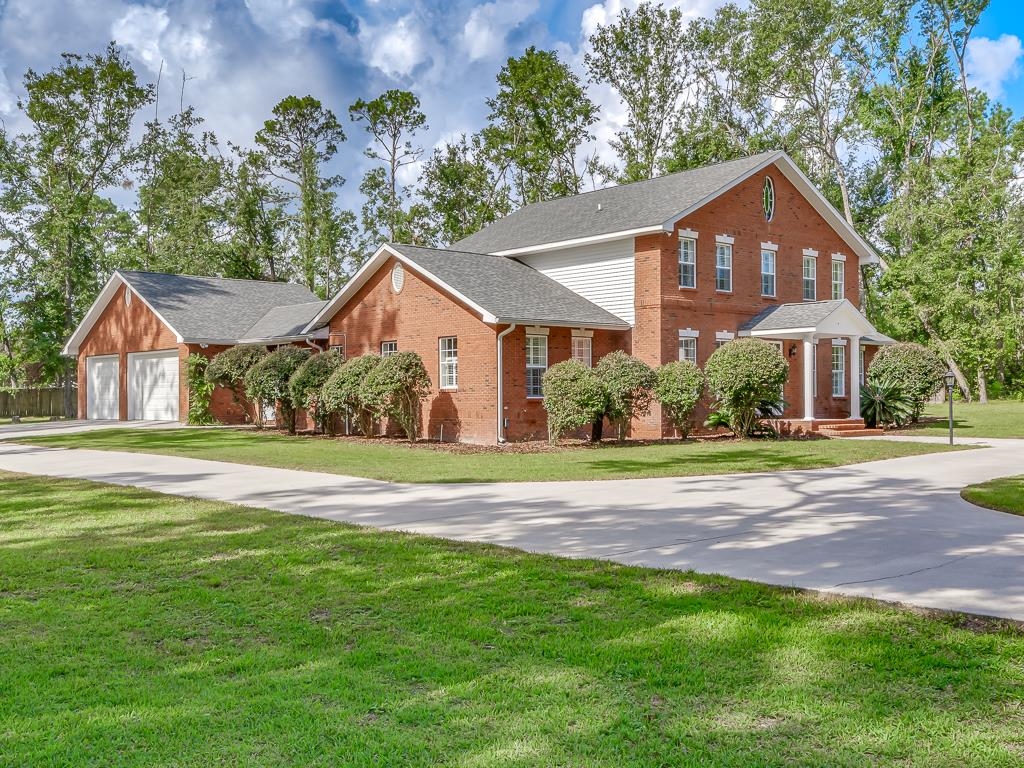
(397, 277)
(768, 198)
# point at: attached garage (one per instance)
(103, 386)
(153, 385)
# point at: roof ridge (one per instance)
(209, 277)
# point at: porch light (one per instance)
(950, 380)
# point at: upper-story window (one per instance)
(723, 265)
(768, 198)
(810, 276)
(767, 272)
(838, 278)
(687, 262)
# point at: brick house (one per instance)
(663, 269)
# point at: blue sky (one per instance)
(241, 56)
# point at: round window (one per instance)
(768, 198)
(397, 277)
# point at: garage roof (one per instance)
(210, 309)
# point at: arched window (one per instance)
(768, 198)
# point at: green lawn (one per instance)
(5, 421)
(419, 464)
(999, 418)
(1005, 494)
(143, 629)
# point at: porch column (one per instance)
(854, 347)
(809, 377)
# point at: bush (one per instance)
(914, 368)
(341, 392)
(746, 376)
(308, 381)
(267, 381)
(883, 403)
(573, 397)
(200, 391)
(629, 387)
(394, 388)
(228, 369)
(679, 387)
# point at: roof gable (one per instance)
(499, 289)
(643, 207)
(836, 317)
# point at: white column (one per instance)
(809, 377)
(854, 347)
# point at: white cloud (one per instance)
(487, 26)
(8, 101)
(992, 63)
(395, 49)
(139, 31)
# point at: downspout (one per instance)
(501, 381)
(313, 344)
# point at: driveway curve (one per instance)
(894, 530)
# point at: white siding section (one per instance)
(604, 273)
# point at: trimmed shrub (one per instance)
(308, 381)
(629, 388)
(746, 375)
(200, 391)
(573, 397)
(394, 388)
(914, 368)
(228, 369)
(341, 392)
(267, 381)
(679, 387)
(884, 404)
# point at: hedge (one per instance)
(267, 381)
(744, 375)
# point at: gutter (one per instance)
(501, 381)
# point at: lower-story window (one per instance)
(536, 365)
(838, 371)
(688, 349)
(448, 362)
(388, 348)
(582, 350)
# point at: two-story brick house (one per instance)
(663, 269)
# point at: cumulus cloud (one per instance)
(488, 26)
(992, 63)
(395, 49)
(8, 101)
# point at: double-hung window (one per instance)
(688, 346)
(687, 262)
(767, 273)
(838, 278)
(582, 350)
(388, 348)
(810, 277)
(536, 365)
(838, 371)
(448, 362)
(723, 267)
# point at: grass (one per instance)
(141, 629)
(420, 464)
(6, 420)
(999, 418)
(1006, 494)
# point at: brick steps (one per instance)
(846, 428)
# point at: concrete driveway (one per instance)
(40, 428)
(895, 530)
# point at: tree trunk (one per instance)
(982, 386)
(597, 430)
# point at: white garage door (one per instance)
(153, 385)
(102, 387)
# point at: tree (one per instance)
(744, 375)
(394, 388)
(342, 392)
(267, 381)
(392, 119)
(573, 397)
(629, 387)
(257, 218)
(679, 387)
(642, 58)
(913, 368)
(228, 368)
(298, 141)
(306, 385)
(464, 189)
(53, 214)
(539, 122)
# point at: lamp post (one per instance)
(950, 380)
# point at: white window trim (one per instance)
(529, 367)
(810, 252)
(769, 246)
(683, 237)
(536, 330)
(841, 371)
(838, 257)
(389, 341)
(696, 343)
(729, 289)
(589, 361)
(726, 239)
(441, 365)
(838, 342)
(688, 333)
(841, 283)
(582, 332)
(688, 233)
(774, 272)
(803, 276)
(724, 335)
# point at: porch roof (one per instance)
(837, 317)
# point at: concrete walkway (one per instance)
(895, 530)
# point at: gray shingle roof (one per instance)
(508, 289)
(604, 211)
(785, 316)
(284, 321)
(215, 308)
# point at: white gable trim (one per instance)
(844, 320)
(592, 240)
(107, 293)
(373, 264)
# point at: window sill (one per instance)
(770, 298)
(535, 397)
(448, 389)
(687, 287)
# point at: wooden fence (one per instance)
(44, 401)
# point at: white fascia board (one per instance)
(593, 240)
(574, 324)
(108, 292)
(780, 332)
